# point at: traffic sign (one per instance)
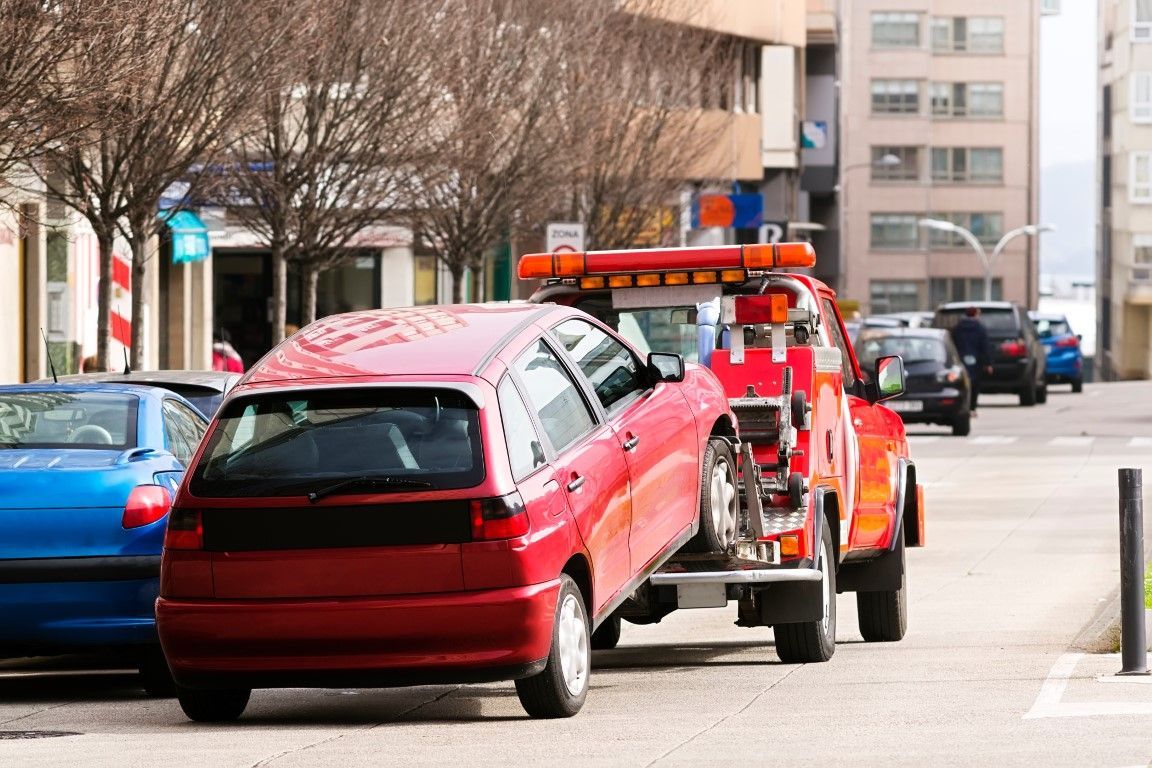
(565, 237)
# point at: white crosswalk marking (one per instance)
(1140, 442)
(995, 440)
(1078, 441)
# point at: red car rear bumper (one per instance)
(365, 642)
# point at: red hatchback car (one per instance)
(437, 494)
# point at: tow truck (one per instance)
(827, 492)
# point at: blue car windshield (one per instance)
(53, 418)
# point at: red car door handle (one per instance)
(576, 483)
(631, 443)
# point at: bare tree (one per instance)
(195, 61)
(635, 117)
(498, 148)
(339, 138)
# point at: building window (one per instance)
(960, 34)
(968, 165)
(884, 169)
(944, 289)
(1140, 98)
(894, 296)
(896, 30)
(1049, 6)
(1142, 21)
(1141, 259)
(988, 227)
(746, 65)
(896, 96)
(978, 100)
(1140, 178)
(897, 231)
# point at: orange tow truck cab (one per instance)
(828, 492)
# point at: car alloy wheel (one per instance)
(573, 636)
(724, 511)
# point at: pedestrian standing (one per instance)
(224, 356)
(971, 340)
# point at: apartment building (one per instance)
(938, 120)
(1124, 173)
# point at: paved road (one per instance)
(1021, 556)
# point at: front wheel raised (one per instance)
(560, 688)
(813, 641)
(718, 502)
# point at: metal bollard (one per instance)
(1133, 641)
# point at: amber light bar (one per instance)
(666, 266)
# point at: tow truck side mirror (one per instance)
(665, 366)
(889, 379)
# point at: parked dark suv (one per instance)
(1015, 351)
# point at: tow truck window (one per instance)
(659, 329)
(837, 336)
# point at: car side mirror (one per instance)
(890, 381)
(665, 366)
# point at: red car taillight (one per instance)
(1014, 348)
(185, 530)
(146, 504)
(1068, 342)
(504, 517)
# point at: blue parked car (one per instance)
(87, 475)
(1065, 360)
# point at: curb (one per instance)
(1102, 632)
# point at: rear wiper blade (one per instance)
(367, 481)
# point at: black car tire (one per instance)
(717, 526)
(1042, 394)
(607, 635)
(962, 425)
(1077, 385)
(1028, 394)
(884, 615)
(546, 694)
(812, 641)
(155, 676)
(213, 706)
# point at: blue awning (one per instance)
(189, 237)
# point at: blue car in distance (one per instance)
(1065, 360)
(87, 475)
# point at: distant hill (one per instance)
(1068, 200)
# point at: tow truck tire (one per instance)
(559, 690)
(813, 641)
(607, 635)
(718, 499)
(884, 615)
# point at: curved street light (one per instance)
(988, 263)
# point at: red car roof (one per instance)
(433, 340)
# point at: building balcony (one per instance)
(822, 25)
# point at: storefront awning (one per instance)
(189, 237)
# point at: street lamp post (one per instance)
(988, 263)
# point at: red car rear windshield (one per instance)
(300, 442)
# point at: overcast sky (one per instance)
(1068, 94)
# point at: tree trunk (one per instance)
(457, 271)
(104, 240)
(311, 277)
(139, 257)
(279, 293)
(477, 280)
